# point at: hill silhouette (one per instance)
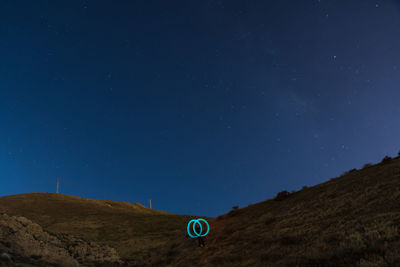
(352, 220)
(131, 229)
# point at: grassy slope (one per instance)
(353, 220)
(130, 228)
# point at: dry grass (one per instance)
(130, 228)
(353, 220)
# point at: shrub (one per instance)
(304, 187)
(349, 171)
(234, 211)
(367, 165)
(282, 195)
(386, 159)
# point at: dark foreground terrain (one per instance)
(23, 241)
(352, 220)
(132, 229)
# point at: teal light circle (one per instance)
(188, 229)
(197, 221)
(194, 228)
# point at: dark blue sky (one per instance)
(198, 105)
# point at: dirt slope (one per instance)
(131, 229)
(353, 220)
(25, 242)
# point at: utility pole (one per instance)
(150, 203)
(58, 185)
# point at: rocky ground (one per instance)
(351, 220)
(132, 229)
(25, 243)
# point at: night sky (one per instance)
(198, 105)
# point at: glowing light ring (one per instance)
(208, 226)
(188, 228)
(198, 221)
(194, 228)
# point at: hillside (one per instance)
(353, 220)
(24, 243)
(131, 229)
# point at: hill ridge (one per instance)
(351, 220)
(131, 228)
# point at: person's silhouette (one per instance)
(201, 241)
(199, 238)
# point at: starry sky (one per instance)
(197, 105)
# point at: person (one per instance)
(200, 238)
(201, 241)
